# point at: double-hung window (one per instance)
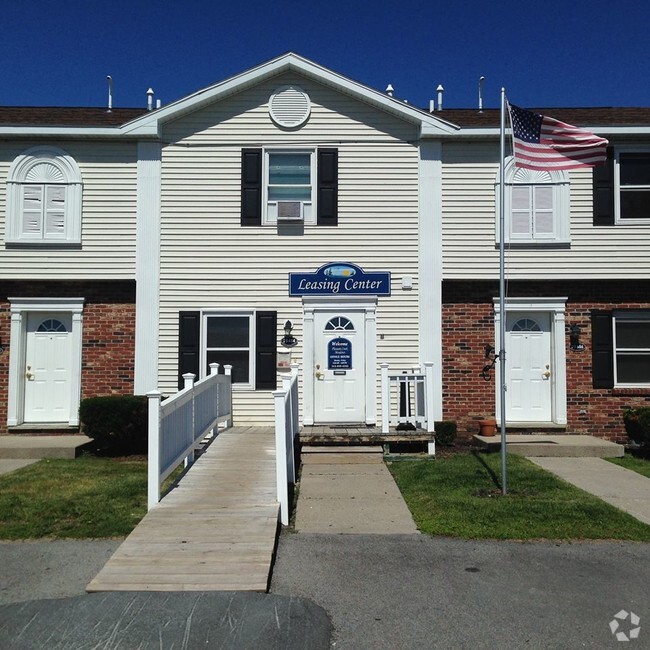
(280, 185)
(536, 206)
(243, 339)
(44, 198)
(631, 332)
(230, 339)
(289, 177)
(633, 179)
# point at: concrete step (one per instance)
(64, 446)
(567, 445)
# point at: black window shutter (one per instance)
(189, 323)
(266, 336)
(328, 187)
(602, 349)
(251, 187)
(603, 191)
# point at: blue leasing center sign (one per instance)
(339, 278)
(339, 354)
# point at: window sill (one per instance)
(641, 391)
(532, 245)
(52, 245)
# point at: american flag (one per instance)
(544, 144)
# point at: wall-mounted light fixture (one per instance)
(288, 340)
(492, 358)
(574, 338)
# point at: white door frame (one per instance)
(332, 305)
(556, 308)
(18, 342)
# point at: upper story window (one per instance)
(298, 185)
(633, 179)
(537, 206)
(289, 177)
(44, 198)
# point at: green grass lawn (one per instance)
(82, 498)
(459, 496)
(639, 465)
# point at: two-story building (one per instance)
(140, 245)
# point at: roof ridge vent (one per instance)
(289, 107)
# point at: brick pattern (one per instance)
(108, 342)
(468, 324)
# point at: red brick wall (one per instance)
(468, 324)
(108, 343)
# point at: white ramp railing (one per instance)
(408, 397)
(286, 435)
(177, 425)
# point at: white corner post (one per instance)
(147, 266)
(153, 456)
(430, 267)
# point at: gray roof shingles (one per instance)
(62, 116)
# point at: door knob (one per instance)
(29, 376)
(318, 375)
(546, 374)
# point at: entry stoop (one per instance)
(37, 447)
(573, 446)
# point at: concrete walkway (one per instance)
(349, 490)
(622, 488)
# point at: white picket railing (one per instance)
(177, 425)
(408, 397)
(286, 434)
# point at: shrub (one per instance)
(446, 432)
(117, 423)
(637, 424)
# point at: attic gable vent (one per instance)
(289, 106)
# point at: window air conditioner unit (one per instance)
(290, 211)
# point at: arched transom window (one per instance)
(339, 324)
(526, 325)
(52, 325)
(44, 198)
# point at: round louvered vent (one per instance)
(289, 106)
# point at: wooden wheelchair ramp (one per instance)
(216, 531)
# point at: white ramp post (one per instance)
(281, 455)
(385, 399)
(428, 396)
(227, 369)
(188, 379)
(153, 456)
(289, 430)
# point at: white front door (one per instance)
(529, 371)
(339, 367)
(47, 371)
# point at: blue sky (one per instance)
(568, 53)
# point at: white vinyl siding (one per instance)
(469, 226)
(106, 248)
(210, 262)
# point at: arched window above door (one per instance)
(339, 324)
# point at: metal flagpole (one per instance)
(502, 293)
